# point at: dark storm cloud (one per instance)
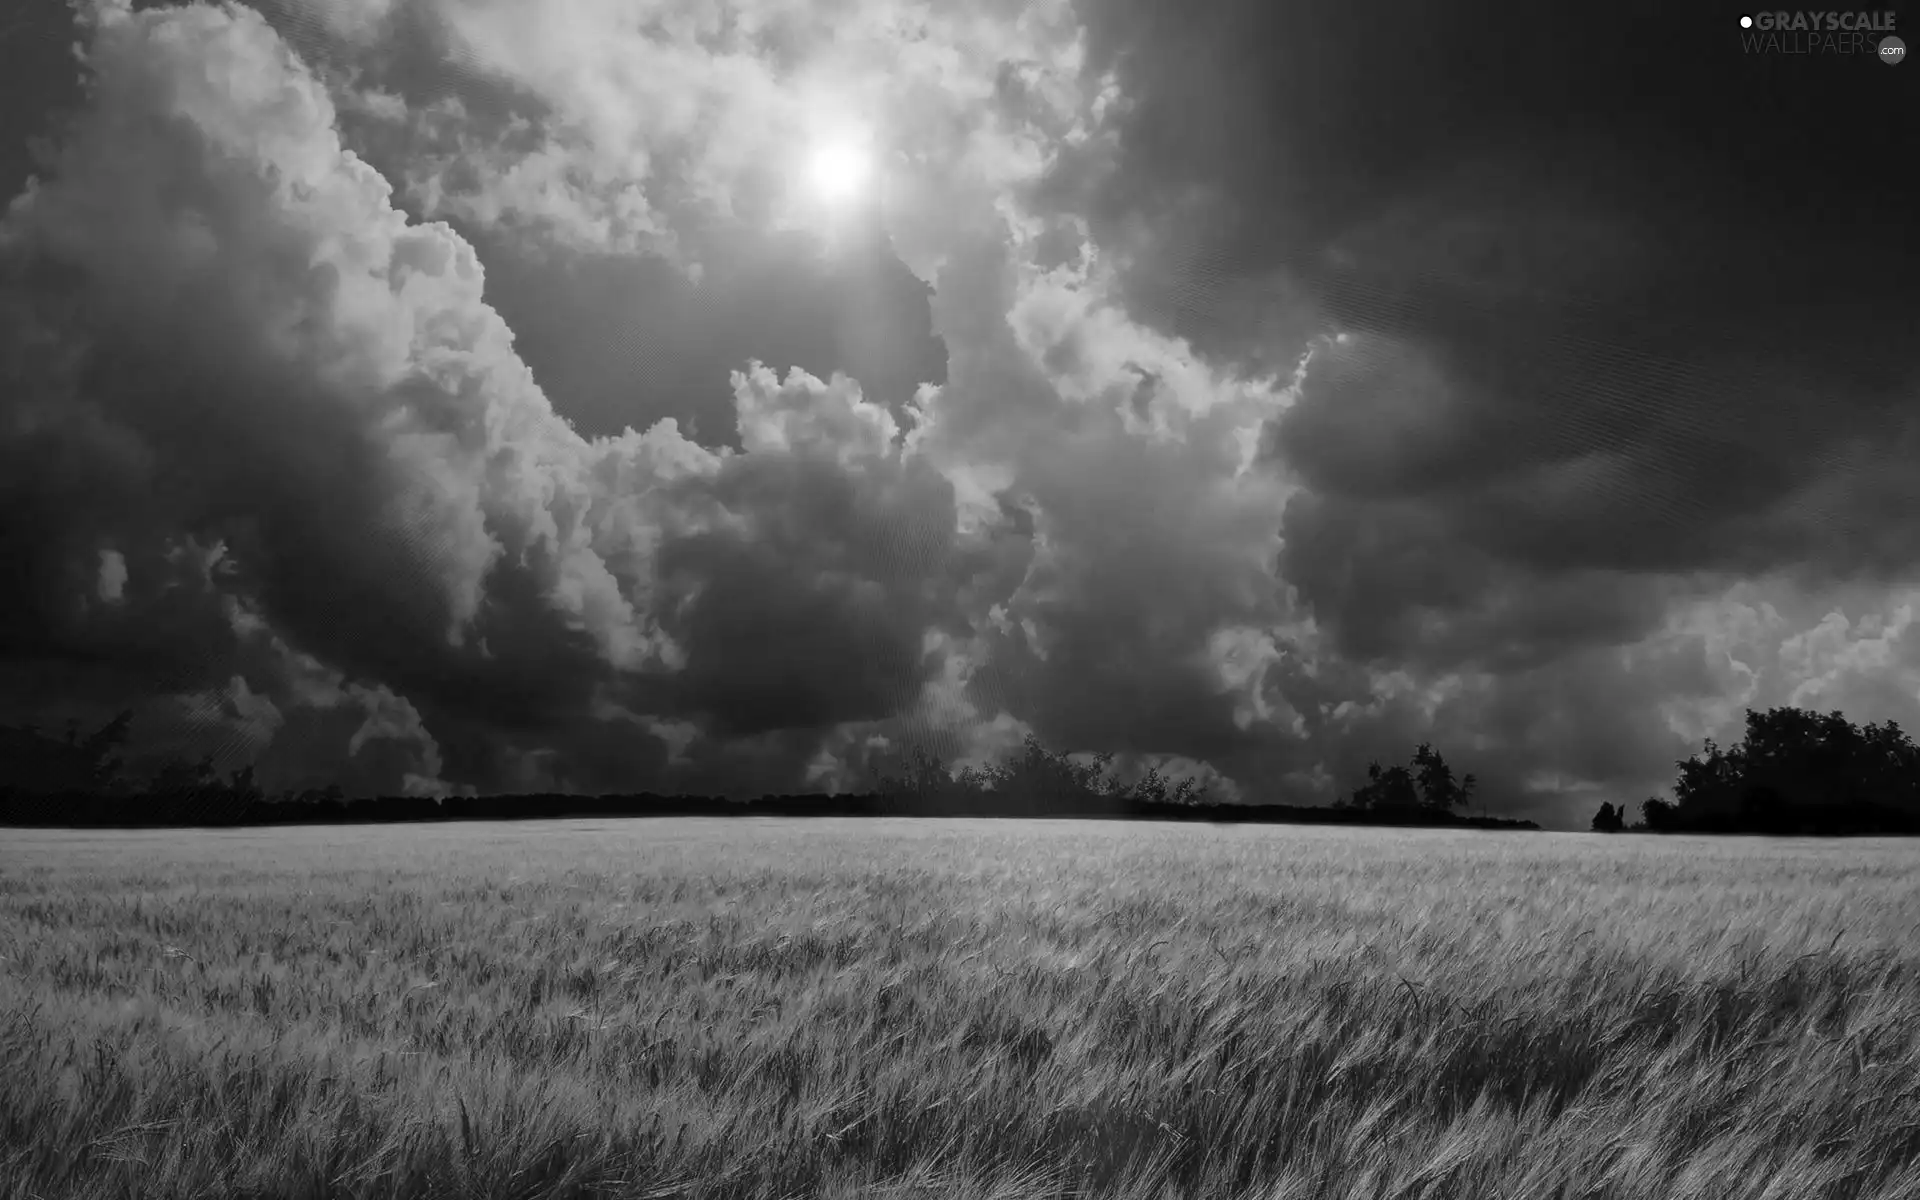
(812, 608)
(1623, 298)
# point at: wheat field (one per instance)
(840, 1008)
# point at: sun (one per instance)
(839, 170)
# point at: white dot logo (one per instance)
(1892, 50)
(1746, 22)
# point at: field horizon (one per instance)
(688, 1007)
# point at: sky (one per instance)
(720, 395)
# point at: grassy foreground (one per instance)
(686, 1008)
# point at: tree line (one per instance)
(79, 781)
(1425, 784)
(1794, 771)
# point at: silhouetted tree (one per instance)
(924, 778)
(1792, 766)
(1438, 789)
(1427, 783)
(1033, 778)
(1609, 819)
(1039, 778)
(1656, 813)
(1388, 787)
(1156, 788)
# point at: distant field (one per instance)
(688, 1008)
